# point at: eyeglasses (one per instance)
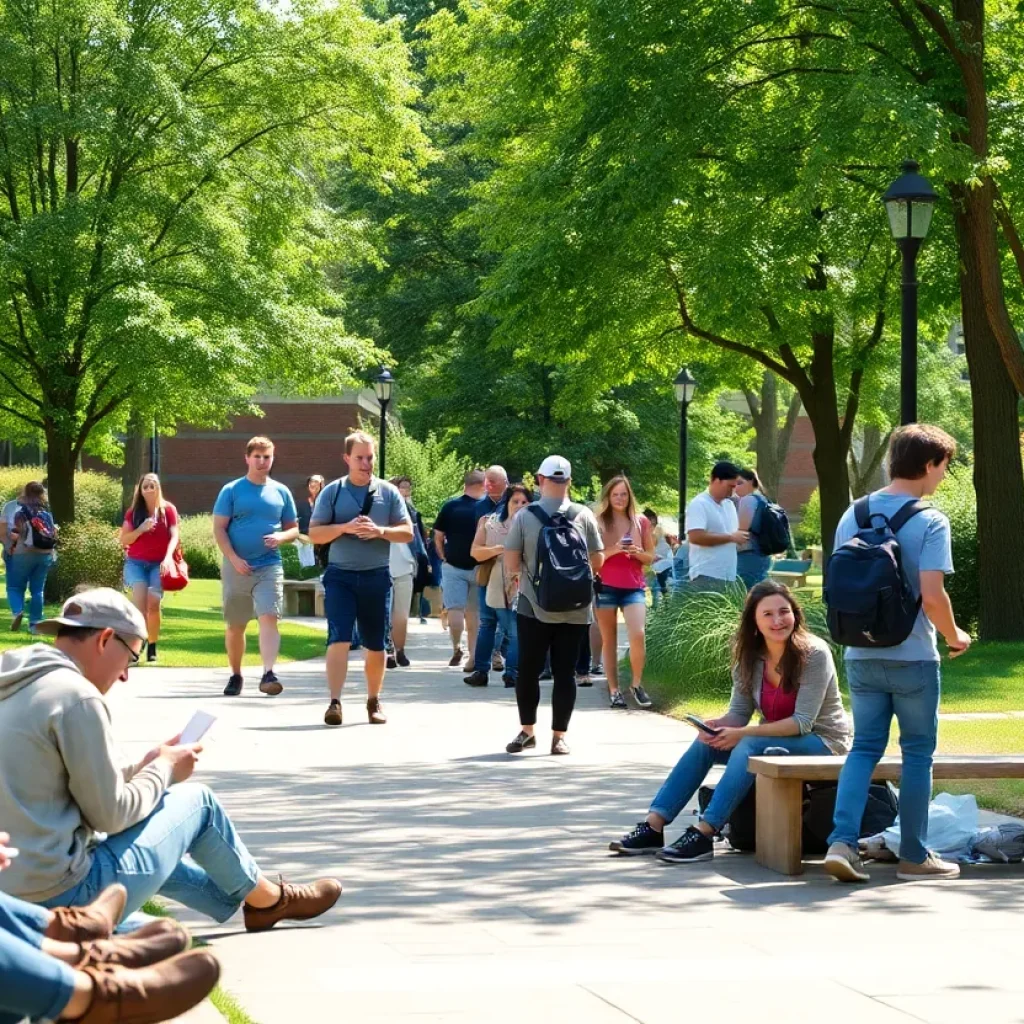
(132, 655)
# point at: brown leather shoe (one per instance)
(160, 992)
(297, 903)
(151, 944)
(375, 712)
(96, 920)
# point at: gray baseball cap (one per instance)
(102, 608)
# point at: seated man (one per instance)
(60, 786)
(64, 965)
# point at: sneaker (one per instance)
(234, 687)
(546, 674)
(559, 746)
(423, 621)
(618, 701)
(933, 867)
(456, 658)
(584, 681)
(297, 903)
(509, 681)
(497, 662)
(520, 743)
(844, 864)
(643, 839)
(163, 991)
(640, 696)
(403, 661)
(392, 662)
(476, 679)
(692, 846)
(151, 653)
(333, 714)
(16, 622)
(375, 712)
(270, 685)
(96, 920)
(152, 943)
(596, 669)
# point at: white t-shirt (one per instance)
(401, 560)
(704, 513)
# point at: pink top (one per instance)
(775, 704)
(619, 570)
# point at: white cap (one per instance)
(102, 608)
(554, 467)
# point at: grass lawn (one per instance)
(192, 635)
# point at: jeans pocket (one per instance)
(911, 678)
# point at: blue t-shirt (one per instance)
(926, 545)
(255, 511)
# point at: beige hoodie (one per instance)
(60, 783)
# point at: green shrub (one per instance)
(292, 569)
(89, 554)
(956, 498)
(808, 531)
(97, 496)
(199, 547)
(436, 472)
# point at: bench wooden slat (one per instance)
(818, 769)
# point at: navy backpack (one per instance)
(561, 578)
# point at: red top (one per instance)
(152, 546)
(619, 570)
(775, 704)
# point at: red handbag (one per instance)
(177, 579)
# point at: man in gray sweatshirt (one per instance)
(61, 786)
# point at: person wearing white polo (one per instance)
(712, 528)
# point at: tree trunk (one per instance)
(998, 476)
(833, 472)
(867, 475)
(60, 474)
(136, 448)
(771, 440)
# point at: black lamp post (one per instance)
(383, 384)
(909, 203)
(686, 388)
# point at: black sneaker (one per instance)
(546, 674)
(520, 743)
(509, 681)
(270, 684)
(692, 846)
(618, 701)
(643, 839)
(403, 661)
(333, 714)
(151, 653)
(234, 687)
(391, 662)
(476, 679)
(640, 696)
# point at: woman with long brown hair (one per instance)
(628, 549)
(780, 670)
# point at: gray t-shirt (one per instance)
(341, 502)
(523, 536)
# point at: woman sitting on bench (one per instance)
(784, 672)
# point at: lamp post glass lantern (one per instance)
(909, 203)
(383, 385)
(686, 388)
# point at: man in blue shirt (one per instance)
(252, 518)
(901, 680)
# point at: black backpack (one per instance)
(773, 536)
(562, 579)
(870, 603)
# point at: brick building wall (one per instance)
(798, 476)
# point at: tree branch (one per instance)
(21, 416)
(1009, 229)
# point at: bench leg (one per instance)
(291, 602)
(779, 824)
(318, 605)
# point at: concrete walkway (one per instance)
(478, 885)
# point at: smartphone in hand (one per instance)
(699, 723)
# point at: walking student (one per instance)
(35, 536)
(542, 628)
(712, 528)
(149, 535)
(361, 517)
(404, 563)
(491, 638)
(628, 549)
(901, 680)
(253, 516)
(751, 565)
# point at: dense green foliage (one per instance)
(89, 555)
(435, 470)
(956, 498)
(199, 547)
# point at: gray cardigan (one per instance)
(819, 708)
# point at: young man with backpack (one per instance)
(892, 543)
(552, 552)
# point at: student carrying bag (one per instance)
(562, 579)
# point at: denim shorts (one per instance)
(619, 597)
(357, 596)
(137, 572)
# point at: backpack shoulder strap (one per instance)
(906, 513)
(862, 513)
(544, 518)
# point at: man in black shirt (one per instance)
(453, 533)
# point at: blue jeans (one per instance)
(752, 567)
(684, 780)
(878, 690)
(492, 622)
(147, 858)
(32, 983)
(27, 571)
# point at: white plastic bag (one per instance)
(307, 556)
(952, 823)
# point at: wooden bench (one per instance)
(304, 597)
(791, 571)
(780, 794)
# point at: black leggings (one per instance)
(563, 640)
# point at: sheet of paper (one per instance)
(197, 727)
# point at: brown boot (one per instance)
(160, 992)
(96, 920)
(151, 944)
(297, 903)
(375, 712)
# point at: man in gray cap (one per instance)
(61, 785)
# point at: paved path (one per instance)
(478, 887)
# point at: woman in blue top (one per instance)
(751, 566)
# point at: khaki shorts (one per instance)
(248, 597)
(401, 594)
